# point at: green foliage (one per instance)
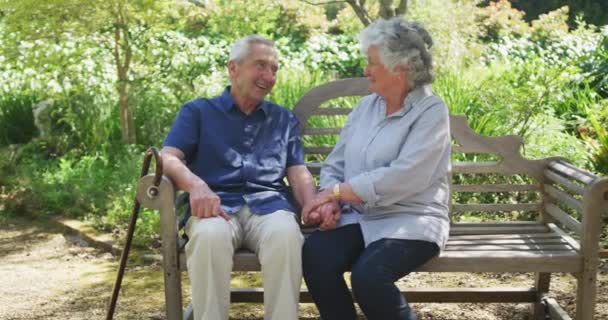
(596, 66)
(499, 20)
(543, 81)
(293, 84)
(455, 32)
(16, 119)
(227, 20)
(338, 55)
(593, 11)
(596, 139)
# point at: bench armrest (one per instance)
(574, 189)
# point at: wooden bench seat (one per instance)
(483, 247)
(538, 216)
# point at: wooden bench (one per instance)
(562, 207)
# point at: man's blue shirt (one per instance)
(243, 158)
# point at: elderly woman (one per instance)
(389, 173)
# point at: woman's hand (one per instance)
(330, 215)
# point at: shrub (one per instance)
(16, 119)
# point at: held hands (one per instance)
(204, 203)
(322, 210)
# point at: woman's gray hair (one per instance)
(241, 47)
(401, 43)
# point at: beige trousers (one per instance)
(277, 241)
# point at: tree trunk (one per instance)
(122, 58)
(127, 123)
(386, 9)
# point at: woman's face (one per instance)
(381, 80)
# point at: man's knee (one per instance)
(209, 230)
(283, 230)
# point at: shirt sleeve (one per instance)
(295, 152)
(184, 133)
(332, 171)
(424, 157)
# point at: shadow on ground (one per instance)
(46, 274)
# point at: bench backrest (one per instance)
(490, 179)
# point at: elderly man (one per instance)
(237, 150)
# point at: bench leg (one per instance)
(173, 284)
(586, 294)
(542, 282)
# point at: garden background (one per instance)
(87, 86)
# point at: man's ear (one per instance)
(232, 68)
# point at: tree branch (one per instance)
(197, 3)
(360, 11)
(402, 8)
(321, 3)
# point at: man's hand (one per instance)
(322, 209)
(313, 218)
(204, 203)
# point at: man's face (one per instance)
(254, 77)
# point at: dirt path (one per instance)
(46, 274)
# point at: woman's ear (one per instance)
(402, 70)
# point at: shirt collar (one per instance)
(413, 97)
(227, 102)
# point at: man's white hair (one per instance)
(241, 47)
(401, 43)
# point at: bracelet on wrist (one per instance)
(336, 191)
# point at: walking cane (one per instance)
(125, 253)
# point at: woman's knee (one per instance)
(312, 247)
(368, 279)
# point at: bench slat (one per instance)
(477, 167)
(497, 224)
(532, 242)
(501, 230)
(558, 231)
(447, 295)
(563, 217)
(572, 172)
(506, 254)
(556, 178)
(332, 111)
(494, 187)
(317, 150)
(314, 167)
(536, 236)
(505, 261)
(563, 197)
(510, 247)
(321, 131)
(496, 207)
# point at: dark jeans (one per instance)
(326, 255)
